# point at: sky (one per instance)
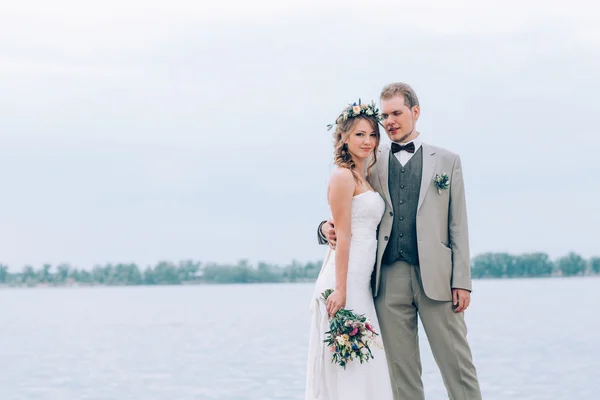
(143, 131)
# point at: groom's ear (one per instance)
(416, 112)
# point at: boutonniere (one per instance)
(442, 182)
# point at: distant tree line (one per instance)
(504, 265)
(488, 265)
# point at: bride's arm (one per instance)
(341, 191)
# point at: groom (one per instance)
(422, 264)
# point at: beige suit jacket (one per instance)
(442, 232)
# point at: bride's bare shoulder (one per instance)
(341, 173)
(341, 180)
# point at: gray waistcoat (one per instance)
(405, 186)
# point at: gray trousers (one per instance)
(400, 299)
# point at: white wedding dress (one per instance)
(368, 381)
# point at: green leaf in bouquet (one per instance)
(326, 294)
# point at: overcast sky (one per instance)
(140, 131)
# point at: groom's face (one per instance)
(398, 120)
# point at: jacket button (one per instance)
(391, 214)
(386, 238)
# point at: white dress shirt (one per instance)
(404, 156)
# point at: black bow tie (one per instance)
(409, 147)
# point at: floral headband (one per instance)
(354, 110)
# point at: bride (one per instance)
(357, 210)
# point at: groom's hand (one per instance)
(461, 299)
(328, 231)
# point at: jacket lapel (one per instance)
(383, 165)
(429, 161)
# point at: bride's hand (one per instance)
(335, 301)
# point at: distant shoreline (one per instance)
(203, 283)
(483, 266)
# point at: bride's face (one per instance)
(362, 139)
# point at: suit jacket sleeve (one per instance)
(458, 230)
(320, 237)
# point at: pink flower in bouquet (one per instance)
(354, 332)
(369, 327)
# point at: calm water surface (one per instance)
(531, 339)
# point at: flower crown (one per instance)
(354, 110)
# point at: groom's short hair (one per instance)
(400, 89)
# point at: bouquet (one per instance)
(350, 336)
